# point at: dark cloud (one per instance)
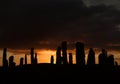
(45, 24)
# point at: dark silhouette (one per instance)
(63, 70)
(116, 63)
(32, 55)
(35, 60)
(64, 52)
(103, 58)
(70, 58)
(58, 55)
(110, 60)
(11, 62)
(25, 59)
(52, 59)
(4, 61)
(91, 58)
(80, 54)
(21, 61)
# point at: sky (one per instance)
(114, 3)
(44, 24)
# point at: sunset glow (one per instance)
(60, 41)
(45, 55)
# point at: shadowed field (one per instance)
(60, 74)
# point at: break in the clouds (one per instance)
(46, 23)
(115, 3)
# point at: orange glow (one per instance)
(45, 55)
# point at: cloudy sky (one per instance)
(106, 2)
(45, 24)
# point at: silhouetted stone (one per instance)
(70, 58)
(21, 61)
(103, 58)
(110, 60)
(80, 54)
(45, 72)
(35, 60)
(91, 58)
(52, 60)
(58, 56)
(25, 59)
(4, 60)
(64, 52)
(116, 63)
(32, 55)
(11, 62)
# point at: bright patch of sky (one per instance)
(115, 3)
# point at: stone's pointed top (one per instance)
(79, 44)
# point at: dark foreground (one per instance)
(60, 74)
